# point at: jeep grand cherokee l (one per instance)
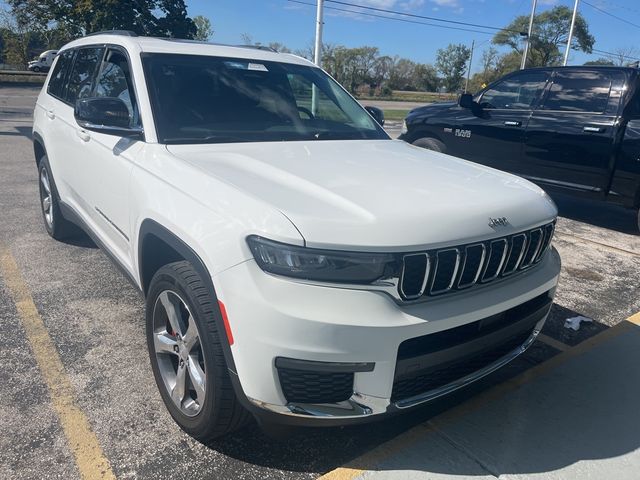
(297, 263)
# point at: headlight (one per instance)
(404, 129)
(322, 265)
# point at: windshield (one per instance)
(204, 99)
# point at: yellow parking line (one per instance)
(83, 442)
(371, 459)
(600, 244)
(635, 319)
(552, 342)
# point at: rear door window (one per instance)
(59, 74)
(582, 91)
(518, 92)
(83, 73)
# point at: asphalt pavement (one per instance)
(565, 409)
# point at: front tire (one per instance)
(430, 144)
(56, 225)
(186, 354)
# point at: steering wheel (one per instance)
(307, 112)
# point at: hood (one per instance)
(431, 108)
(383, 194)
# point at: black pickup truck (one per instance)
(569, 129)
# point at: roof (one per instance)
(582, 67)
(185, 47)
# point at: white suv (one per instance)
(297, 263)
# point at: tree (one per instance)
(21, 40)
(625, 55)
(204, 31)
(549, 36)
(163, 18)
(452, 63)
(600, 62)
(425, 78)
(279, 47)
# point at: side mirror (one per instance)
(466, 100)
(106, 115)
(377, 114)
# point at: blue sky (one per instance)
(293, 24)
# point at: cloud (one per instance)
(411, 4)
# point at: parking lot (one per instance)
(78, 398)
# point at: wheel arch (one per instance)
(39, 149)
(158, 246)
(424, 133)
(160, 240)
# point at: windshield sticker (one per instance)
(257, 66)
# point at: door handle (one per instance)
(84, 135)
(51, 114)
(592, 129)
(512, 123)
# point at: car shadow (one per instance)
(597, 213)
(590, 414)
(20, 132)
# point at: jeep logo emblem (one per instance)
(498, 222)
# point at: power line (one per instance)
(615, 55)
(423, 17)
(392, 18)
(608, 14)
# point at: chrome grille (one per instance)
(449, 269)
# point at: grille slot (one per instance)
(497, 254)
(516, 251)
(442, 271)
(447, 264)
(547, 232)
(472, 265)
(415, 273)
(533, 245)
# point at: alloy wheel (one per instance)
(178, 351)
(46, 197)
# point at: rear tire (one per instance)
(56, 225)
(431, 144)
(191, 373)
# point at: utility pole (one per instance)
(318, 49)
(573, 23)
(466, 85)
(526, 46)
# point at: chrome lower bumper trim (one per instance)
(359, 405)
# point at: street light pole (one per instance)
(573, 23)
(318, 48)
(526, 46)
(466, 85)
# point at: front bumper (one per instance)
(273, 318)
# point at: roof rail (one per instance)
(124, 33)
(258, 47)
